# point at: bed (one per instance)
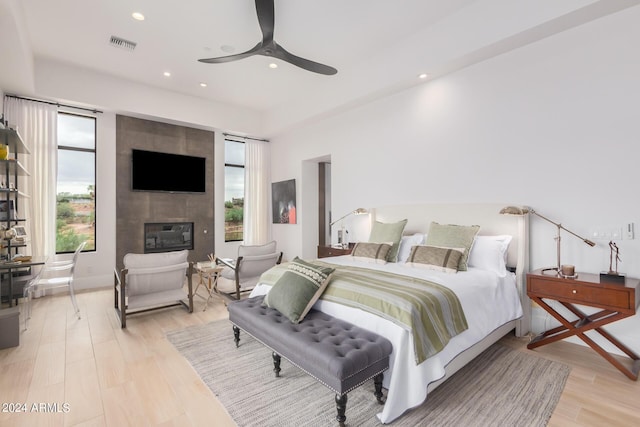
(494, 304)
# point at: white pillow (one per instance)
(490, 253)
(406, 243)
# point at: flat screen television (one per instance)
(175, 173)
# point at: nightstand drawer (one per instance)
(327, 251)
(580, 293)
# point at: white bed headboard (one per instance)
(487, 216)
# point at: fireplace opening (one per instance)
(168, 236)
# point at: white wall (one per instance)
(552, 125)
(16, 72)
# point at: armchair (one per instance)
(252, 261)
(151, 281)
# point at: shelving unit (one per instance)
(11, 170)
(12, 175)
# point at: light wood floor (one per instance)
(134, 376)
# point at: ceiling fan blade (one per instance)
(266, 19)
(221, 59)
(268, 47)
(306, 64)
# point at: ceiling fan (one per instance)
(268, 46)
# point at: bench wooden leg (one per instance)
(341, 406)
(236, 335)
(276, 363)
(377, 381)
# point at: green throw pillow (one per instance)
(298, 289)
(388, 233)
(453, 236)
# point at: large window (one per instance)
(233, 190)
(76, 195)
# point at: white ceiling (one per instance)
(174, 35)
(378, 46)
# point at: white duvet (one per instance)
(488, 302)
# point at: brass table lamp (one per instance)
(524, 210)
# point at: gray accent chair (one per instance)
(151, 281)
(244, 273)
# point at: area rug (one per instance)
(501, 387)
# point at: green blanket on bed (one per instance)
(430, 312)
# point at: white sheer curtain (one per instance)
(257, 170)
(37, 124)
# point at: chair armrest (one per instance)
(60, 267)
(60, 262)
(261, 257)
(225, 262)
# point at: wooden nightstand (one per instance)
(327, 251)
(617, 301)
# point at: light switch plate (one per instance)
(629, 231)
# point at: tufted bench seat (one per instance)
(340, 355)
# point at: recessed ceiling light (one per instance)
(137, 16)
(167, 74)
(273, 65)
(423, 76)
(203, 84)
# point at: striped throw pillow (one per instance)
(435, 258)
(371, 252)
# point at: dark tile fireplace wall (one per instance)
(135, 208)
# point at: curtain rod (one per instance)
(245, 137)
(54, 103)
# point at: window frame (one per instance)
(239, 166)
(95, 176)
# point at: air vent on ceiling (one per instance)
(122, 43)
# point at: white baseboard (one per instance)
(81, 284)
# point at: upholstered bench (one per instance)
(338, 354)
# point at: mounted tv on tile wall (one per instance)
(174, 173)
